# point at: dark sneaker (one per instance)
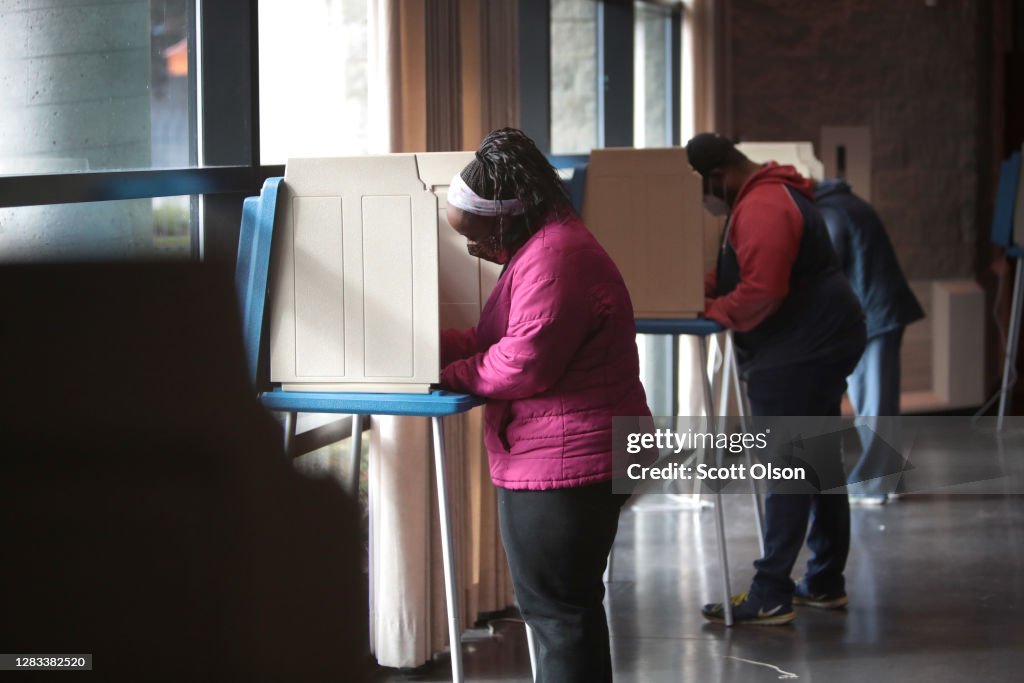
(747, 610)
(802, 596)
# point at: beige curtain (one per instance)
(446, 71)
(430, 71)
(408, 616)
(490, 76)
(705, 39)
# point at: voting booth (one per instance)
(645, 208)
(367, 272)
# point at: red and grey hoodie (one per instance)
(778, 284)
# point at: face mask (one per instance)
(715, 205)
(498, 248)
(489, 250)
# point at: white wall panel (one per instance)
(800, 155)
(854, 162)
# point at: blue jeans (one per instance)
(806, 390)
(874, 388)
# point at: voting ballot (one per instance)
(367, 272)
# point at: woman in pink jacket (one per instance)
(555, 355)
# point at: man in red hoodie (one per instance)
(799, 331)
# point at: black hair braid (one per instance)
(508, 165)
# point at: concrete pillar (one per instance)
(75, 96)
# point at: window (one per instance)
(687, 66)
(574, 79)
(131, 228)
(652, 76)
(601, 73)
(314, 85)
(95, 87)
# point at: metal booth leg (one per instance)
(531, 643)
(741, 405)
(1012, 339)
(355, 456)
(447, 554)
(719, 500)
(289, 433)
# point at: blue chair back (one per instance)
(1006, 198)
(252, 269)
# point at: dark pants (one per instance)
(874, 390)
(807, 390)
(557, 543)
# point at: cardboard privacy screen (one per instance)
(645, 207)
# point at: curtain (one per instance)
(706, 82)
(490, 68)
(408, 615)
(434, 61)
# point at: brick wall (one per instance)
(916, 75)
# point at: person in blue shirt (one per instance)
(867, 257)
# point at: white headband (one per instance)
(462, 197)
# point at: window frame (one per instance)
(615, 50)
(224, 75)
(225, 134)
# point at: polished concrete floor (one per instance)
(936, 585)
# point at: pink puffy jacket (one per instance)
(555, 352)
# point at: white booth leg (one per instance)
(741, 405)
(531, 643)
(355, 456)
(289, 433)
(447, 555)
(719, 499)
